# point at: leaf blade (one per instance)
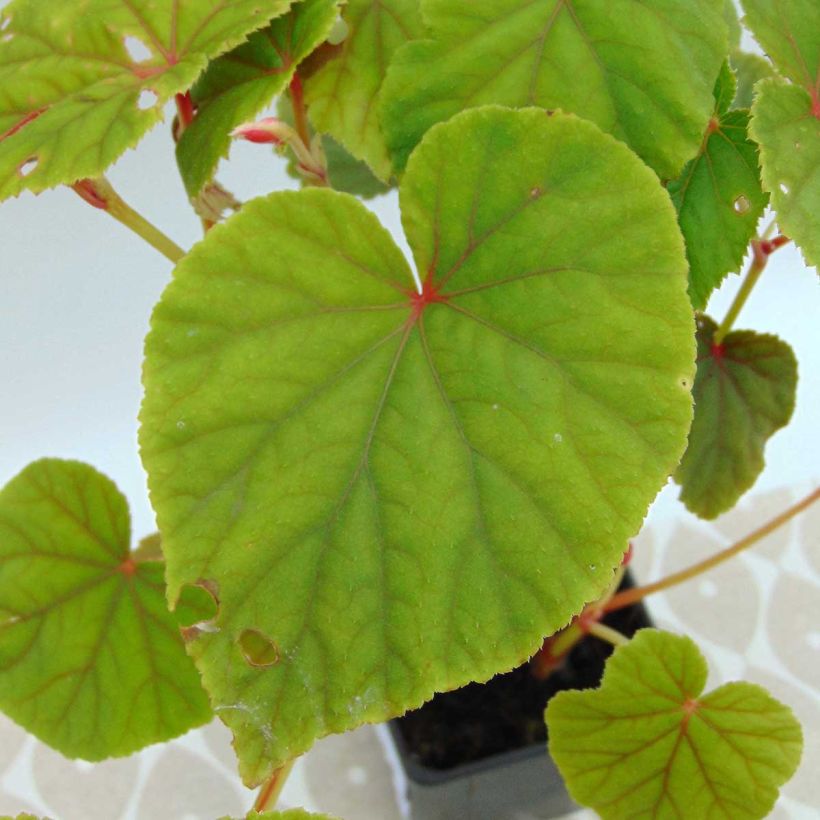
(91, 687)
(412, 542)
(648, 743)
(583, 59)
(744, 393)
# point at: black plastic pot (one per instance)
(480, 752)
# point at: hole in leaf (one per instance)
(147, 99)
(742, 205)
(28, 166)
(784, 188)
(196, 609)
(5, 23)
(137, 50)
(257, 649)
(536, 192)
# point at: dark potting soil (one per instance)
(507, 712)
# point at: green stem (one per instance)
(632, 596)
(762, 249)
(100, 194)
(270, 792)
(607, 633)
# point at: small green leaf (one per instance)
(238, 85)
(91, 661)
(786, 118)
(744, 393)
(342, 93)
(72, 96)
(622, 70)
(345, 172)
(749, 69)
(789, 31)
(719, 197)
(400, 492)
(789, 138)
(649, 743)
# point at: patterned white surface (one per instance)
(755, 619)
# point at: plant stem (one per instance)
(297, 98)
(762, 249)
(270, 792)
(607, 633)
(632, 596)
(100, 194)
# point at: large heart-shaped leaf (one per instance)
(786, 117)
(91, 661)
(399, 492)
(342, 93)
(72, 96)
(238, 85)
(719, 197)
(649, 743)
(618, 64)
(744, 393)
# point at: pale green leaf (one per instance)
(749, 69)
(342, 93)
(719, 197)
(789, 139)
(789, 31)
(786, 118)
(650, 744)
(744, 393)
(73, 99)
(91, 661)
(238, 85)
(623, 69)
(404, 493)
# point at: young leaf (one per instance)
(744, 393)
(403, 492)
(344, 172)
(719, 197)
(342, 93)
(91, 661)
(649, 743)
(238, 85)
(749, 69)
(786, 118)
(621, 70)
(81, 82)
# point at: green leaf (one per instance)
(345, 172)
(744, 393)
(649, 743)
(238, 85)
(342, 93)
(91, 661)
(405, 493)
(749, 69)
(789, 139)
(621, 70)
(719, 197)
(786, 118)
(73, 99)
(789, 31)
